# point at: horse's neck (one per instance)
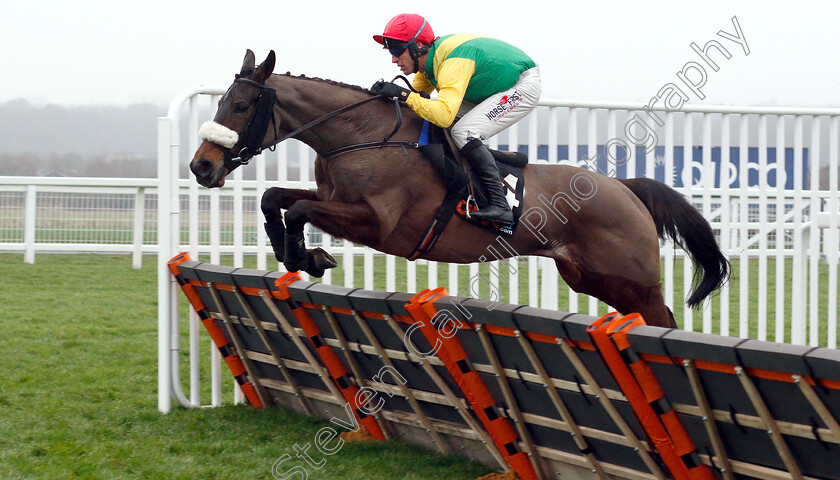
(301, 100)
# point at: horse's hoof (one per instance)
(319, 262)
(321, 258)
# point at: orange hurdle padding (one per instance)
(237, 368)
(335, 367)
(648, 418)
(655, 397)
(422, 310)
(634, 377)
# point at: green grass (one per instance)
(78, 392)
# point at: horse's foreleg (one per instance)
(274, 201)
(356, 222)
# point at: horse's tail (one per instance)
(676, 218)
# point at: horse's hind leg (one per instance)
(628, 296)
(625, 295)
(652, 308)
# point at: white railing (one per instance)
(66, 214)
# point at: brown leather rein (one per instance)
(249, 151)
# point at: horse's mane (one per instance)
(328, 82)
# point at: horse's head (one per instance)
(237, 132)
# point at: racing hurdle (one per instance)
(539, 392)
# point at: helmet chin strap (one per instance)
(416, 52)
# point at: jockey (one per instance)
(484, 86)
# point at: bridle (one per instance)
(254, 133)
(250, 141)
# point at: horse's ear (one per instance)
(266, 68)
(248, 63)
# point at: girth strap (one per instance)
(435, 229)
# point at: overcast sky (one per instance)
(106, 52)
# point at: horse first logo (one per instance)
(507, 103)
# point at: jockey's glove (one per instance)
(390, 90)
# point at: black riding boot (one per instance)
(481, 160)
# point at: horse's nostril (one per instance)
(201, 167)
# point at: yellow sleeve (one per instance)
(421, 83)
(453, 77)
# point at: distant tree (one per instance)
(19, 164)
(77, 165)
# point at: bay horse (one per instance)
(602, 232)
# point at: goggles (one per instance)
(394, 47)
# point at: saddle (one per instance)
(464, 190)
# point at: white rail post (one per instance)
(30, 213)
(164, 249)
(139, 217)
(743, 232)
(763, 243)
(688, 185)
(708, 175)
(799, 291)
(781, 177)
(831, 238)
(813, 239)
(725, 219)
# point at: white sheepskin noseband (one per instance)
(218, 134)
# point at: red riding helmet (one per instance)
(407, 28)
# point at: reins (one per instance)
(386, 142)
(250, 151)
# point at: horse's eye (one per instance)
(240, 107)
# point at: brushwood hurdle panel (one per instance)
(535, 391)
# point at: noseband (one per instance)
(249, 144)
